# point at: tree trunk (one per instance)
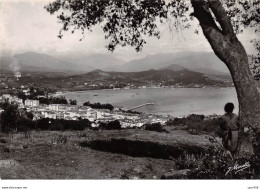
(228, 48)
(249, 101)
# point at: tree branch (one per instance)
(202, 13)
(211, 31)
(221, 17)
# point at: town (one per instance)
(127, 119)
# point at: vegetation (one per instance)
(215, 163)
(12, 120)
(185, 120)
(197, 124)
(62, 125)
(33, 93)
(39, 94)
(9, 117)
(73, 102)
(52, 100)
(127, 22)
(98, 105)
(154, 127)
(112, 125)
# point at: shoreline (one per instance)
(120, 89)
(178, 110)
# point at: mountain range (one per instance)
(203, 62)
(164, 76)
(98, 79)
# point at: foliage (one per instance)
(112, 125)
(255, 60)
(61, 124)
(52, 100)
(127, 22)
(214, 164)
(154, 127)
(185, 120)
(34, 92)
(4, 105)
(73, 102)
(29, 115)
(25, 124)
(21, 95)
(197, 124)
(9, 117)
(98, 105)
(132, 112)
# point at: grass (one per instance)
(40, 157)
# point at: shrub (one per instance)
(43, 124)
(24, 124)
(197, 124)
(112, 125)
(98, 105)
(208, 126)
(214, 164)
(60, 139)
(61, 124)
(9, 117)
(154, 127)
(186, 120)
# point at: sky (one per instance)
(26, 26)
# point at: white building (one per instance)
(54, 107)
(51, 115)
(31, 103)
(6, 96)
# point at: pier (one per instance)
(139, 106)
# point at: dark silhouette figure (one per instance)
(229, 126)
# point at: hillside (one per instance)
(204, 62)
(102, 79)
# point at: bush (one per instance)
(99, 106)
(186, 120)
(208, 126)
(197, 124)
(154, 127)
(214, 164)
(9, 117)
(60, 139)
(112, 125)
(61, 124)
(24, 124)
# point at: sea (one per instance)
(165, 101)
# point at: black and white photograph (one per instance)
(130, 90)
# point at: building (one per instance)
(59, 115)
(72, 108)
(51, 115)
(6, 96)
(31, 103)
(84, 108)
(54, 107)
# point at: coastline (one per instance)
(166, 87)
(176, 102)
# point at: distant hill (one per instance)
(204, 62)
(164, 76)
(174, 67)
(34, 62)
(87, 63)
(38, 62)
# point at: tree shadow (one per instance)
(142, 148)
